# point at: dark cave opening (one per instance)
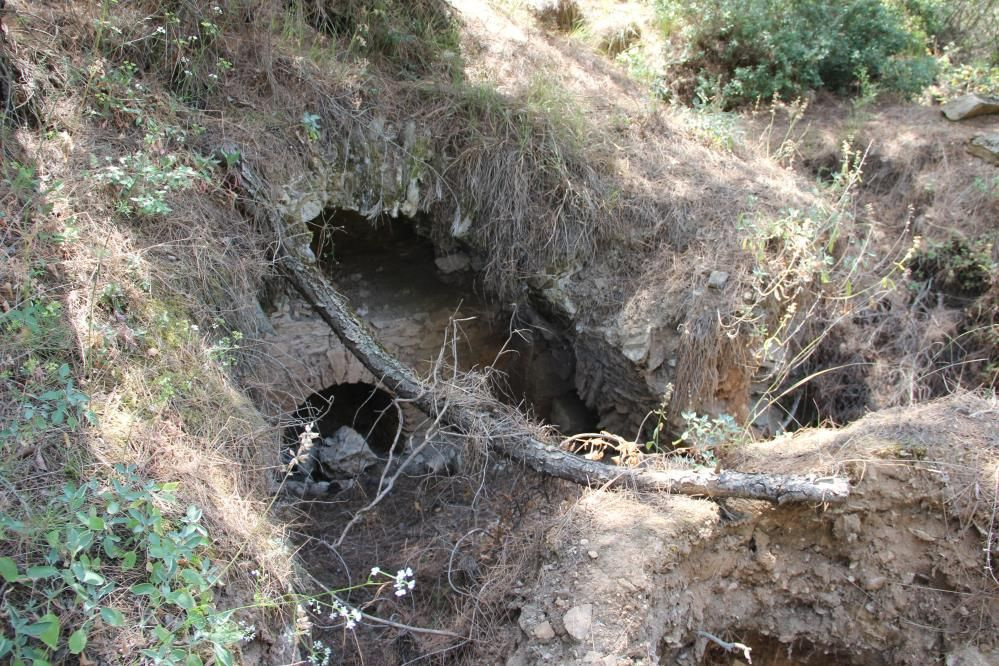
(411, 292)
(363, 407)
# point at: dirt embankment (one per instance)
(901, 574)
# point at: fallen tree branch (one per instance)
(540, 456)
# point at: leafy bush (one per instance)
(70, 583)
(742, 51)
(960, 78)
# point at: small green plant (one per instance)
(705, 435)
(225, 348)
(119, 97)
(310, 125)
(143, 183)
(958, 267)
(654, 443)
(99, 548)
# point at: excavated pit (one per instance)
(800, 585)
(428, 308)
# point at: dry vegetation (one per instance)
(132, 260)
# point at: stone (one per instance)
(986, 146)
(969, 106)
(346, 454)
(453, 263)
(635, 342)
(578, 621)
(543, 631)
(970, 655)
(717, 279)
(592, 554)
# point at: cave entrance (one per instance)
(360, 406)
(419, 296)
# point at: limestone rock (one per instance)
(717, 279)
(970, 656)
(986, 146)
(346, 454)
(969, 106)
(578, 620)
(563, 14)
(543, 631)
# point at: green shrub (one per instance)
(740, 51)
(68, 567)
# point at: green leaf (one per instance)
(193, 660)
(192, 577)
(128, 561)
(223, 655)
(46, 630)
(8, 569)
(38, 573)
(77, 641)
(170, 486)
(112, 617)
(91, 578)
(182, 598)
(162, 633)
(6, 645)
(143, 589)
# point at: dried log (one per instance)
(541, 456)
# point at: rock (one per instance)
(306, 489)
(986, 146)
(517, 659)
(544, 632)
(346, 454)
(578, 620)
(592, 554)
(970, 656)
(969, 106)
(636, 341)
(453, 263)
(563, 14)
(717, 279)
(874, 583)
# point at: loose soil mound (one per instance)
(900, 574)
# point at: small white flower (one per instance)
(375, 571)
(404, 582)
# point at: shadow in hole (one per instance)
(365, 408)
